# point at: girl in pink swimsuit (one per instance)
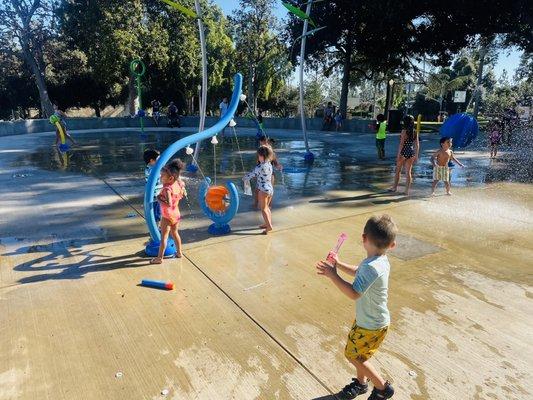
(169, 198)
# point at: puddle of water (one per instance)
(341, 162)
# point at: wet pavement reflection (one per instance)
(344, 162)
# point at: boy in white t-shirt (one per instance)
(370, 291)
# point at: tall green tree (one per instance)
(119, 33)
(369, 37)
(525, 68)
(25, 27)
(177, 76)
(260, 53)
(18, 91)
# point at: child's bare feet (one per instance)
(448, 193)
(156, 260)
(432, 194)
(262, 226)
(178, 254)
(267, 231)
(392, 189)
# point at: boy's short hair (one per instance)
(174, 167)
(444, 139)
(265, 152)
(380, 118)
(381, 231)
(150, 155)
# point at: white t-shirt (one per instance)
(223, 108)
(372, 283)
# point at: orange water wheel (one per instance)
(217, 198)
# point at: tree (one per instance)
(525, 68)
(284, 103)
(220, 55)
(440, 84)
(370, 37)
(260, 53)
(118, 34)
(314, 96)
(19, 94)
(24, 29)
(166, 41)
(178, 77)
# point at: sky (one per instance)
(508, 59)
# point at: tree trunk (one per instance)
(387, 99)
(343, 106)
(374, 113)
(96, 107)
(46, 105)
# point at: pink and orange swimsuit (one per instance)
(175, 193)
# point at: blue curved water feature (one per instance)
(155, 235)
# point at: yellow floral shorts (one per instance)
(363, 343)
(441, 173)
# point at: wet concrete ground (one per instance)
(249, 318)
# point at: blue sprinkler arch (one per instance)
(155, 235)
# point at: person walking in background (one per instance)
(156, 107)
(338, 121)
(173, 118)
(223, 107)
(495, 137)
(328, 117)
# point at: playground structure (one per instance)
(56, 121)
(462, 128)
(220, 217)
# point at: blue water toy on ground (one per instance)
(167, 285)
(462, 128)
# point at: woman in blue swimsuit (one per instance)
(407, 153)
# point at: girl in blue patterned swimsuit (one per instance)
(407, 153)
(263, 173)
